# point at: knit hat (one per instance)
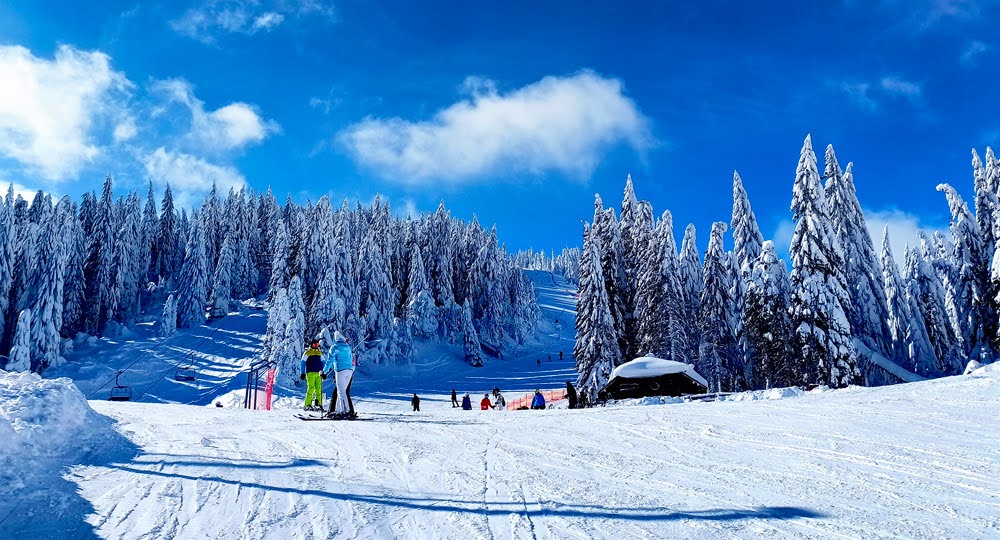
(337, 336)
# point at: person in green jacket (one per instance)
(313, 370)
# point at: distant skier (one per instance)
(343, 364)
(538, 402)
(570, 395)
(466, 403)
(499, 403)
(485, 404)
(550, 358)
(538, 362)
(454, 399)
(560, 356)
(415, 402)
(311, 369)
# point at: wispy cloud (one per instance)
(189, 174)
(919, 16)
(206, 23)
(870, 96)
(561, 124)
(54, 112)
(973, 51)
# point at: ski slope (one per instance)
(920, 460)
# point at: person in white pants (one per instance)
(343, 365)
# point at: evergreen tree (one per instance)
(167, 243)
(327, 309)
(20, 352)
(607, 234)
(866, 311)
(294, 336)
(6, 263)
(46, 318)
(718, 354)
(194, 276)
(378, 297)
(280, 271)
(222, 282)
(596, 350)
(659, 296)
(473, 351)
(766, 326)
(819, 295)
(420, 311)
(168, 324)
(692, 281)
(971, 307)
(147, 246)
(906, 326)
(924, 287)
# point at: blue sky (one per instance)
(515, 111)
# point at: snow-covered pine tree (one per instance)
(608, 235)
(657, 301)
(378, 297)
(420, 312)
(6, 263)
(167, 241)
(74, 285)
(635, 230)
(222, 281)
(488, 293)
(971, 306)
(924, 287)
(866, 312)
(20, 351)
(131, 270)
(766, 325)
(719, 358)
(692, 280)
(524, 313)
(470, 340)
(268, 219)
(168, 323)
(194, 280)
(293, 344)
(906, 326)
(986, 198)
(596, 350)
(147, 248)
(46, 318)
(278, 313)
(819, 295)
(747, 240)
(327, 309)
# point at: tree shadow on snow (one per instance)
(542, 508)
(50, 505)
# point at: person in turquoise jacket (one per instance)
(342, 364)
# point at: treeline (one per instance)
(565, 264)
(95, 266)
(746, 322)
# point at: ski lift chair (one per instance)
(120, 392)
(185, 373)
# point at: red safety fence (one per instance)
(525, 400)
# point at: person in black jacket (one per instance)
(415, 402)
(454, 399)
(467, 403)
(570, 395)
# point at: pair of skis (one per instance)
(326, 416)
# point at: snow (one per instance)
(650, 366)
(906, 461)
(886, 364)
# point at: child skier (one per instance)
(312, 371)
(485, 404)
(500, 403)
(538, 402)
(415, 402)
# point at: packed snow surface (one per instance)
(650, 366)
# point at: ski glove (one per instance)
(302, 377)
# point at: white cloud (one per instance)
(896, 86)
(190, 175)
(858, 92)
(972, 51)
(231, 127)
(125, 130)
(783, 237)
(52, 110)
(207, 22)
(561, 124)
(903, 229)
(267, 21)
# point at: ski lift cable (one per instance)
(134, 362)
(214, 388)
(182, 360)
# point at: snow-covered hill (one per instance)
(910, 461)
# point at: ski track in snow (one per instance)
(916, 461)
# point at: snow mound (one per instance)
(988, 368)
(43, 417)
(650, 400)
(765, 395)
(972, 367)
(651, 366)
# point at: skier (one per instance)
(415, 402)
(485, 404)
(560, 356)
(550, 358)
(343, 365)
(538, 362)
(466, 403)
(311, 369)
(538, 402)
(500, 403)
(454, 399)
(570, 395)
(496, 392)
